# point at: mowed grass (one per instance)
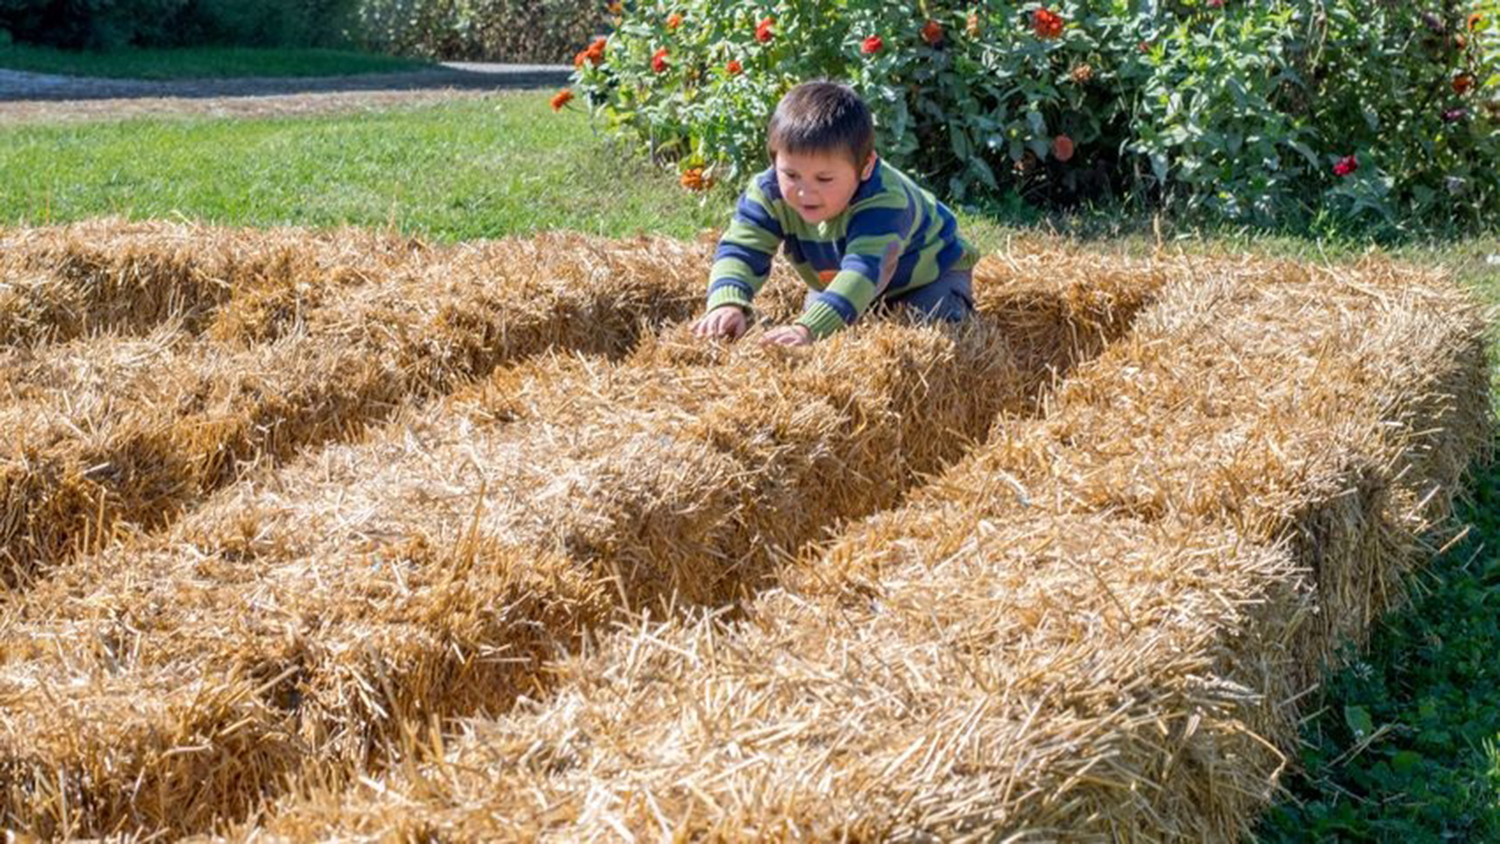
(462, 170)
(1403, 745)
(200, 62)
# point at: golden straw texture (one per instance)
(115, 277)
(111, 430)
(1095, 628)
(320, 615)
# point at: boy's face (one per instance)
(819, 184)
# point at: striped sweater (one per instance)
(840, 257)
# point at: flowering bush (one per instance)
(1241, 109)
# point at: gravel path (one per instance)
(32, 97)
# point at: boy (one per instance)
(856, 229)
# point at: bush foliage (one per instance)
(509, 30)
(506, 30)
(1263, 112)
(111, 24)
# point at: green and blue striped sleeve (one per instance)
(874, 224)
(743, 259)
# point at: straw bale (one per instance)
(429, 571)
(1097, 627)
(111, 430)
(112, 276)
(437, 568)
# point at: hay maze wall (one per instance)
(166, 674)
(892, 586)
(146, 365)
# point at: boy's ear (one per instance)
(869, 167)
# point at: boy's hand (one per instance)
(723, 321)
(788, 335)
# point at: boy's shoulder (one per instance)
(894, 178)
(765, 182)
(886, 184)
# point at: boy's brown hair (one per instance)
(822, 117)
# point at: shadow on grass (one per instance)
(1404, 743)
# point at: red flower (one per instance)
(1144, 46)
(932, 33)
(1062, 147)
(1046, 24)
(1462, 83)
(674, 20)
(734, 68)
(561, 99)
(1346, 166)
(870, 46)
(1215, 4)
(659, 60)
(763, 32)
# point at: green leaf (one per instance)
(1307, 153)
(1159, 167)
(1038, 124)
(1358, 719)
(1405, 760)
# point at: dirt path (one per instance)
(34, 97)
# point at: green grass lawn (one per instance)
(199, 62)
(477, 168)
(1403, 743)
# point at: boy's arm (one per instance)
(743, 260)
(879, 227)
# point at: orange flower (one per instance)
(694, 180)
(593, 53)
(1047, 24)
(1062, 147)
(674, 20)
(659, 61)
(734, 68)
(972, 26)
(1475, 20)
(561, 99)
(1082, 74)
(763, 30)
(615, 7)
(932, 33)
(1462, 83)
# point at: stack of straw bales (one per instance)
(316, 336)
(321, 615)
(1096, 626)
